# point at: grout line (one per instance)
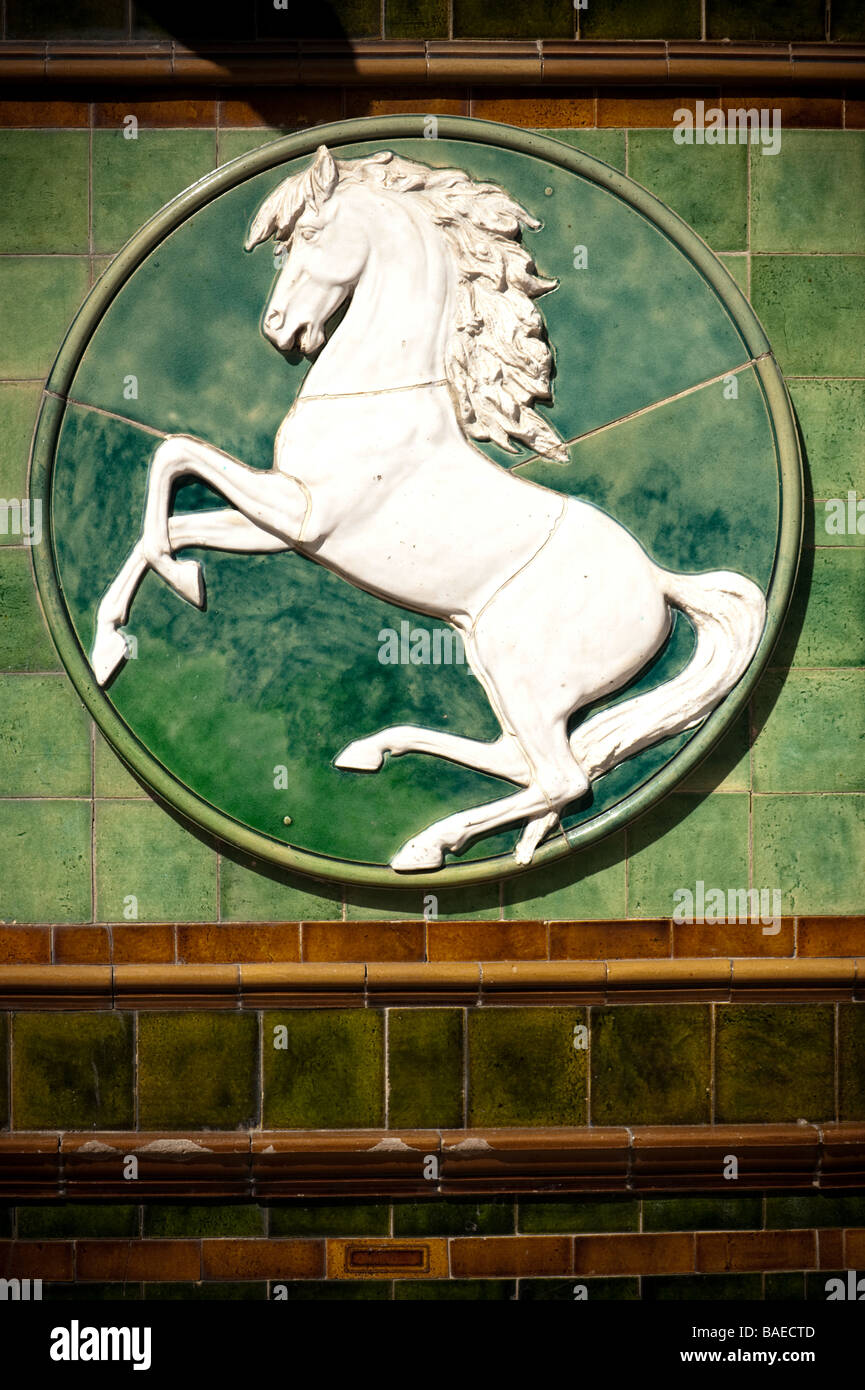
(386, 1068)
(92, 821)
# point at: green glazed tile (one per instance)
(810, 196)
(18, 405)
(209, 1293)
(831, 418)
(336, 1290)
(709, 1213)
(329, 1219)
(44, 738)
(455, 1216)
(173, 1221)
(532, 19)
(44, 206)
(188, 20)
(702, 1287)
(234, 143)
(263, 895)
(707, 185)
(24, 641)
(132, 179)
(425, 1068)
(813, 311)
(589, 886)
(608, 145)
(45, 853)
(728, 766)
(774, 1062)
(38, 297)
(685, 840)
(571, 1290)
(523, 1068)
(455, 1290)
(847, 19)
(59, 1220)
(4, 1071)
(460, 904)
(582, 1215)
(416, 19)
(150, 869)
(826, 623)
(651, 1065)
(338, 19)
(641, 19)
(737, 266)
(851, 1062)
(802, 1210)
(197, 1069)
(835, 522)
(92, 1293)
(329, 1073)
(79, 19)
(784, 1288)
(770, 19)
(110, 777)
(816, 872)
(72, 1071)
(812, 732)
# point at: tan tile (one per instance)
(720, 1251)
(387, 1259)
(514, 1257)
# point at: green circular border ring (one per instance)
(199, 814)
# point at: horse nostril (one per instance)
(273, 319)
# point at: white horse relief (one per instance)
(376, 478)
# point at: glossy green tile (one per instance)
(92, 1293)
(810, 196)
(770, 19)
(208, 1293)
(608, 145)
(811, 848)
(110, 777)
(455, 1216)
(176, 1220)
(234, 143)
(186, 21)
(835, 522)
(709, 1213)
(337, 1290)
(582, 1215)
(149, 868)
(329, 1219)
(571, 1290)
(79, 19)
(132, 179)
(18, 405)
(4, 1071)
(454, 1290)
(45, 190)
(59, 1220)
(801, 1210)
(651, 1065)
(784, 1288)
(44, 738)
(532, 19)
(39, 295)
(72, 1071)
(826, 622)
(264, 895)
(707, 185)
(425, 1068)
(641, 19)
(323, 1069)
(813, 311)
(847, 19)
(831, 418)
(416, 19)
(728, 766)
(24, 641)
(737, 266)
(819, 1284)
(55, 836)
(696, 1288)
(197, 1069)
(588, 886)
(338, 19)
(523, 1068)
(685, 839)
(774, 1062)
(460, 904)
(851, 1062)
(812, 732)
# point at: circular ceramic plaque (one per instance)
(525, 542)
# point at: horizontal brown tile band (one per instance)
(476, 62)
(429, 1163)
(286, 984)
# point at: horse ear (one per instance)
(325, 175)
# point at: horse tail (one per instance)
(728, 613)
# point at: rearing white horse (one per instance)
(375, 478)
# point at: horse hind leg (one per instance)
(502, 758)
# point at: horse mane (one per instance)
(497, 359)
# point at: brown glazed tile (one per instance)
(29, 1165)
(487, 941)
(745, 1251)
(543, 109)
(287, 109)
(81, 946)
(150, 945)
(583, 62)
(345, 1162)
(36, 1259)
(94, 63)
(843, 1155)
(362, 941)
(690, 60)
(731, 939)
(543, 982)
(442, 983)
(455, 60)
(325, 985)
(55, 986)
(663, 981)
(854, 1249)
(122, 1261)
(439, 101)
(387, 1259)
(490, 1257)
(681, 1157)
(831, 936)
(25, 945)
(262, 1259)
(176, 986)
(56, 114)
(854, 115)
(645, 109)
(797, 112)
(643, 1253)
(158, 111)
(534, 1160)
(206, 1164)
(22, 62)
(610, 940)
(220, 943)
(769, 980)
(830, 1249)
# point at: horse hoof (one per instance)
(416, 855)
(110, 650)
(186, 579)
(360, 756)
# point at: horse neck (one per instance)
(396, 327)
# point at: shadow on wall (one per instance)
(193, 24)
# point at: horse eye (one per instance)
(308, 233)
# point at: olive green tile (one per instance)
(44, 738)
(454, 1290)
(45, 853)
(18, 405)
(92, 1293)
(818, 1285)
(425, 1068)
(132, 179)
(696, 1288)
(416, 19)
(728, 766)
(59, 1220)
(582, 1215)
(24, 641)
(325, 1070)
(338, 19)
(826, 622)
(175, 1220)
(851, 1062)
(784, 1288)
(641, 19)
(39, 295)
(813, 311)
(460, 904)
(774, 1062)
(4, 1071)
(329, 1219)
(110, 777)
(815, 872)
(737, 266)
(149, 868)
(847, 19)
(328, 1291)
(197, 1069)
(651, 1065)
(79, 19)
(455, 1216)
(187, 20)
(587, 886)
(831, 417)
(686, 839)
(706, 1213)
(770, 19)
(835, 521)
(44, 206)
(707, 185)
(812, 732)
(266, 895)
(523, 1068)
(208, 1293)
(810, 196)
(577, 1290)
(532, 19)
(607, 145)
(72, 1071)
(803, 1210)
